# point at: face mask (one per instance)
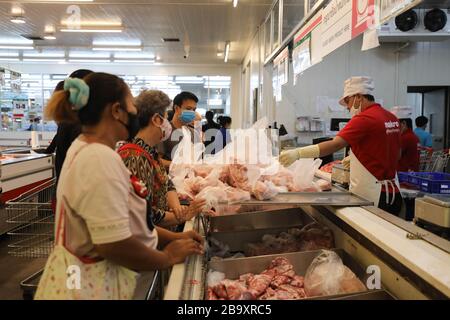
(166, 129)
(132, 126)
(187, 116)
(355, 111)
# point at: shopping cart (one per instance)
(436, 161)
(31, 216)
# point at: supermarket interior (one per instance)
(225, 150)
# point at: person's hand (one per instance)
(346, 162)
(178, 210)
(191, 234)
(178, 250)
(195, 208)
(289, 157)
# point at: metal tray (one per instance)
(372, 295)
(260, 220)
(239, 230)
(233, 268)
(340, 199)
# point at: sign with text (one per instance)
(363, 16)
(16, 81)
(336, 25)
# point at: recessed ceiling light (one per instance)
(117, 48)
(7, 46)
(93, 30)
(18, 19)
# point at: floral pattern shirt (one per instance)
(148, 169)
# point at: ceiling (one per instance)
(203, 24)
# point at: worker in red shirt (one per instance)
(409, 160)
(373, 134)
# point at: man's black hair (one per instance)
(183, 96)
(421, 121)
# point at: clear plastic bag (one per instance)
(303, 173)
(327, 275)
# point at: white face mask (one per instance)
(355, 111)
(166, 129)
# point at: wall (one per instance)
(424, 63)
(183, 70)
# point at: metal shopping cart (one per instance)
(436, 161)
(32, 218)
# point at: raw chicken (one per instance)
(210, 295)
(202, 170)
(298, 281)
(230, 289)
(323, 185)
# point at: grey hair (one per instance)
(149, 103)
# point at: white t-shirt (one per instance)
(100, 203)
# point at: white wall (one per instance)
(183, 70)
(425, 63)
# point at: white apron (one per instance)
(365, 185)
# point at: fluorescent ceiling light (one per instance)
(92, 30)
(49, 37)
(4, 46)
(227, 51)
(44, 55)
(116, 43)
(235, 3)
(18, 20)
(90, 60)
(9, 59)
(117, 49)
(134, 56)
(133, 61)
(9, 54)
(97, 23)
(89, 55)
(42, 60)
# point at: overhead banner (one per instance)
(307, 45)
(344, 20)
(392, 8)
(282, 63)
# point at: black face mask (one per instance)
(132, 126)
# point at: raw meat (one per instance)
(210, 295)
(230, 289)
(258, 284)
(298, 281)
(329, 166)
(327, 275)
(202, 170)
(323, 185)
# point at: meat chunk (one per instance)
(298, 281)
(258, 284)
(210, 295)
(230, 289)
(280, 280)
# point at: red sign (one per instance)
(363, 16)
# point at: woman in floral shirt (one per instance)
(141, 158)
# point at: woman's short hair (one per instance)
(149, 103)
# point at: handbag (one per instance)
(68, 277)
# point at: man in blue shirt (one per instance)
(425, 138)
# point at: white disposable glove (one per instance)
(289, 157)
(346, 162)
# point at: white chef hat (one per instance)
(357, 85)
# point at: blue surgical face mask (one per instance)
(187, 116)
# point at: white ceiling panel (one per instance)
(205, 24)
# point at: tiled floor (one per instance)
(13, 270)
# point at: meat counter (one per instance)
(410, 262)
(20, 173)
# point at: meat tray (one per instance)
(233, 268)
(238, 230)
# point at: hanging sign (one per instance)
(282, 62)
(2, 77)
(16, 81)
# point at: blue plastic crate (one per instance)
(403, 177)
(431, 182)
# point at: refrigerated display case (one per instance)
(411, 262)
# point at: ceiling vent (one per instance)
(170, 39)
(32, 37)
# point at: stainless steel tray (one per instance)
(233, 268)
(340, 199)
(239, 230)
(371, 295)
(260, 220)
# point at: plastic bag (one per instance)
(303, 172)
(327, 275)
(213, 278)
(186, 152)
